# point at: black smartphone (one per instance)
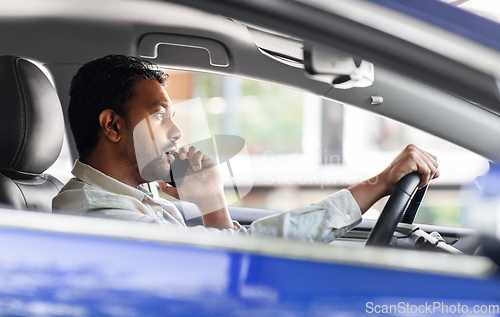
(178, 170)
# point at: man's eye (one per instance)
(159, 115)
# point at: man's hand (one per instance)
(411, 159)
(202, 186)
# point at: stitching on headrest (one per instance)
(26, 127)
(23, 115)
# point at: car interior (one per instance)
(59, 38)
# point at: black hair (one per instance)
(104, 83)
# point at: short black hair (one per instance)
(104, 83)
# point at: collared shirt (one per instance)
(93, 193)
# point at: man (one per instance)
(117, 100)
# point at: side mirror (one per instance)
(339, 69)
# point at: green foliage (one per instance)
(268, 117)
(439, 215)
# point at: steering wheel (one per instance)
(383, 230)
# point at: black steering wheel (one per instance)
(383, 230)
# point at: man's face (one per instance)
(153, 134)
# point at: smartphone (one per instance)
(178, 170)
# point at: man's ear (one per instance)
(111, 125)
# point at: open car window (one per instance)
(301, 147)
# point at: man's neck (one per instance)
(112, 166)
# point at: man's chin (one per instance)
(155, 170)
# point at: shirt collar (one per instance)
(90, 175)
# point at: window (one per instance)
(302, 148)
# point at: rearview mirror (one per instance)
(339, 69)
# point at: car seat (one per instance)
(31, 136)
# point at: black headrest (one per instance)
(31, 119)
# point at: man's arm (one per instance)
(411, 159)
(215, 214)
(333, 216)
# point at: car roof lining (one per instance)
(91, 32)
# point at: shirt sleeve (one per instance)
(325, 220)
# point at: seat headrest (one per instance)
(31, 119)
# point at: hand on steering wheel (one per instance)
(383, 230)
(411, 169)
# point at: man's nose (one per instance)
(174, 133)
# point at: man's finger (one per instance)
(437, 174)
(431, 158)
(434, 157)
(426, 169)
(197, 165)
(182, 153)
(191, 152)
(433, 165)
